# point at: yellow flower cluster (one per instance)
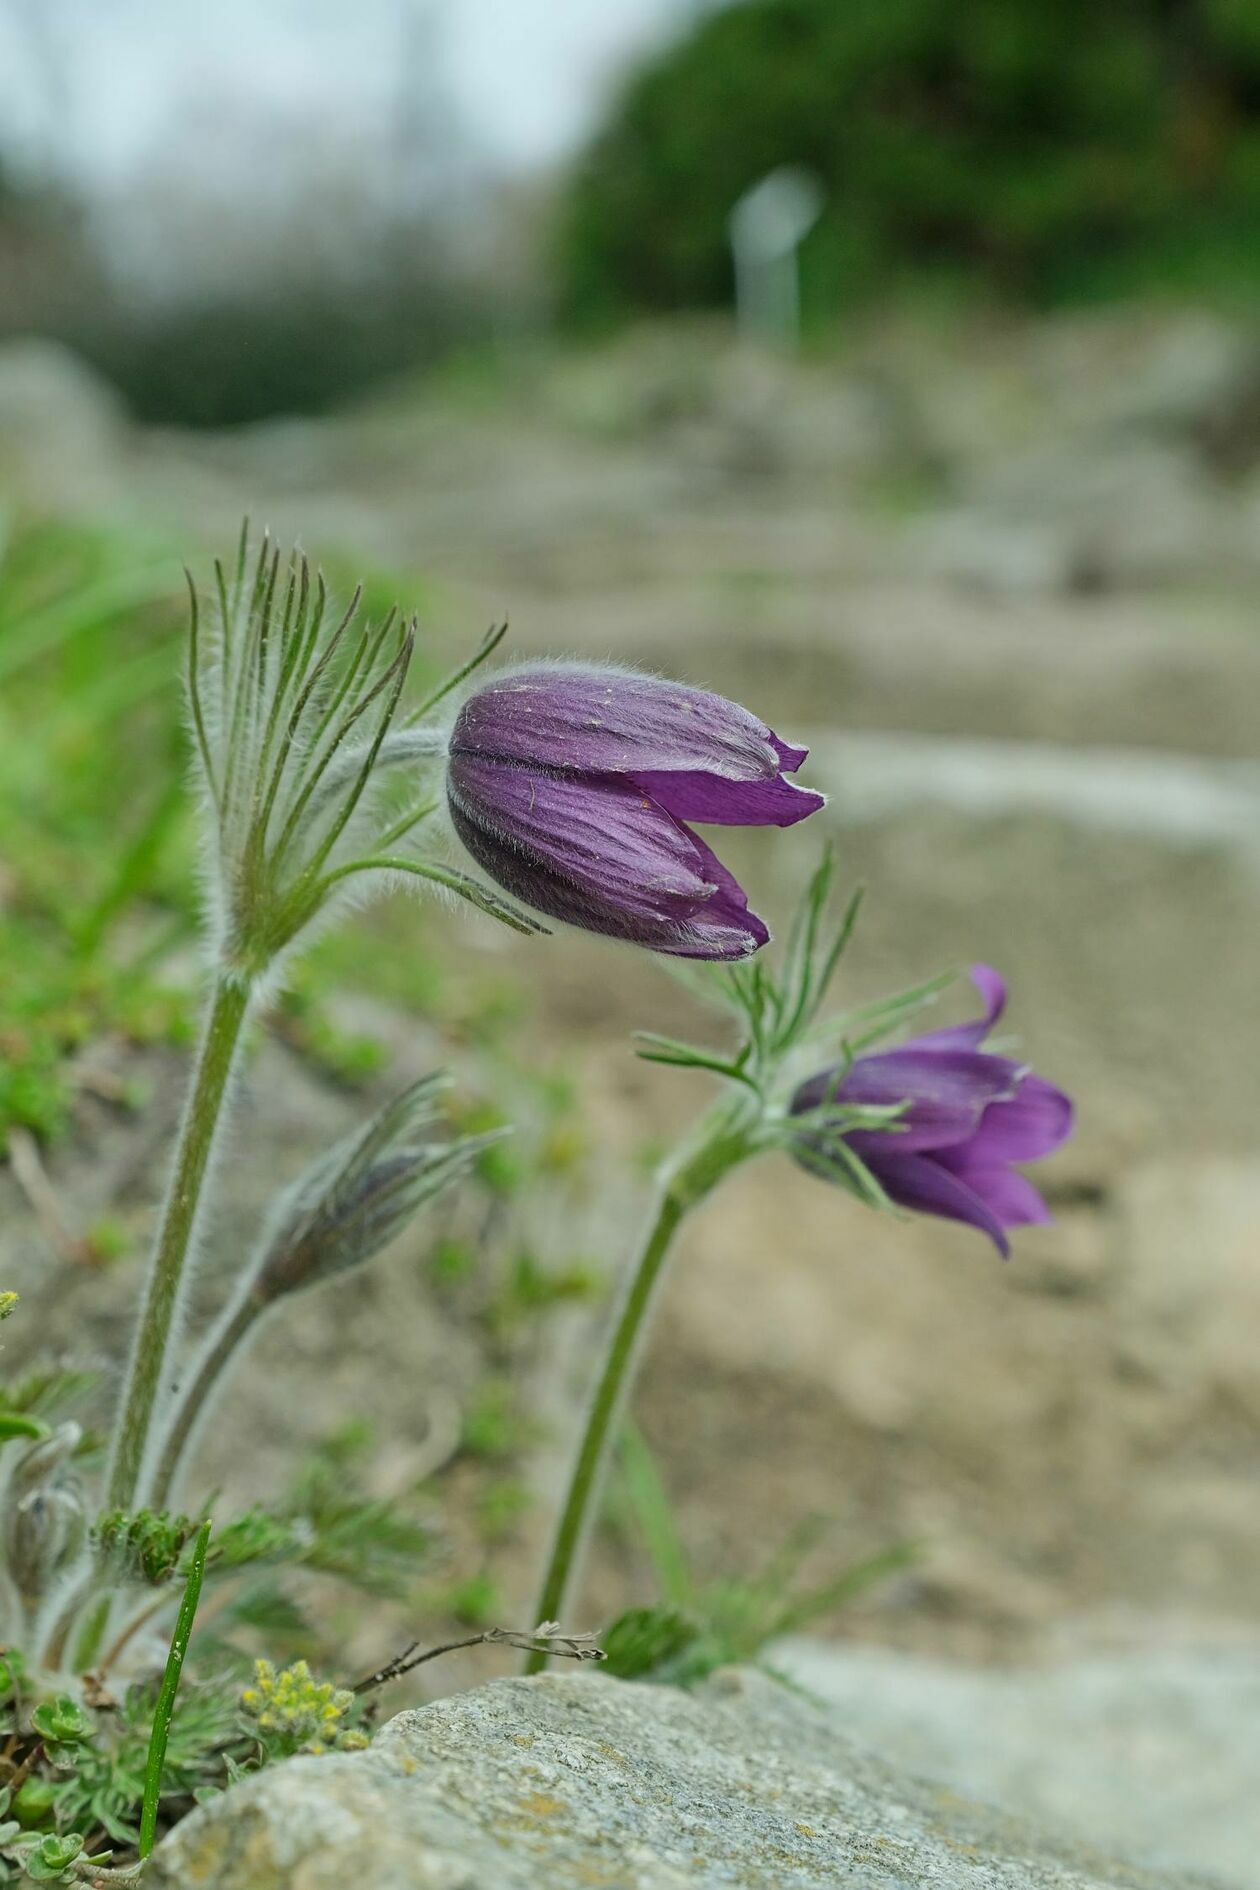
(302, 1710)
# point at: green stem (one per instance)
(220, 1348)
(147, 1370)
(91, 1634)
(689, 1183)
(55, 1647)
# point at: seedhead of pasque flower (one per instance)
(291, 707)
(339, 1214)
(356, 1198)
(42, 1518)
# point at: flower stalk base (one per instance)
(164, 1291)
(690, 1181)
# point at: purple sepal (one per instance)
(587, 720)
(603, 857)
(571, 787)
(716, 802)
(969, 1115)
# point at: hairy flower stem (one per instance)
(684, 1186)
(147, 1370)
(221, 1346)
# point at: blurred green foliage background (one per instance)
(1024, 152)
(1037, 149)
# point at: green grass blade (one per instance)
(133, 872)
(165, 1708)
(645, 1492)
(45, 631)
(802, 1610)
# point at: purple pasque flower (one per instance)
(970, 1115)
(572, 785)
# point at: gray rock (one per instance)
(1194, 377)
(569, 1782)
(1080, 514)
(1150, 1749)
(987, 550)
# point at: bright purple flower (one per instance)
(970, 1115)
(571, 786)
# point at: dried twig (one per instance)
(544, 1639)
(30, 1175)
(99, 1876)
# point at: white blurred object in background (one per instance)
(767, 227)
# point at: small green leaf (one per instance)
(255, 1536)
(61, 1721)
(144, 1546)
(40, 1872)
(859, 1029)
(687, 1056)
(34, 1802)
(648, 1641)
(799, 1611)
(462, 884)
(59, 1852)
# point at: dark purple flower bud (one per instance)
(969, 1116)
(572, 786)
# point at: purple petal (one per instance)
(920, 1182)
(610, 721)
(600, 855)
(1010, 1195)
(992, 988)
(717, 802)
(790, 758)
(1033, 1122)
(724, 917)
(948, 1092)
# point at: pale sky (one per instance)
(122, 77)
